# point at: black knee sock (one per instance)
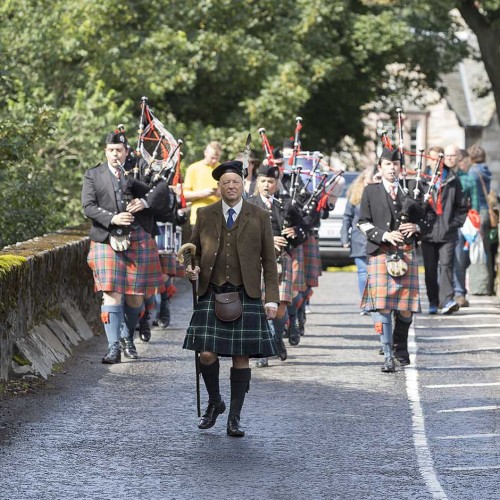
(400, 335)
(210, 374)
(240, 384)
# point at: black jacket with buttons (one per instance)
(380, 213)
(100, 203)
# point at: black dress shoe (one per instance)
(403, 357)
(128, 348)
(293, 335)
(145, 329)
(233, 427)
(262, 363)
(301, 328)
(210, 416)
(113, 355)
(282, 354)
(389, 366)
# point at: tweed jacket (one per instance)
(100, 204)
(254, 244)
(379, 213)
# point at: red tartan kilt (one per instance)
(168, 263)
(312, 261)
(383, 291)
(136, 271)
(298, 277)
(284, 278)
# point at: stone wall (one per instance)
(47, 303)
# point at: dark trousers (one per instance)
(438, 263)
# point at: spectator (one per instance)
(200, 188)
(438, 247)
(462, 260)
(350, 235)
(481, 280)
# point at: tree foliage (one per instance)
(212, 69)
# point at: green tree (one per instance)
(212, 69)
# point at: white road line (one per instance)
(470, 408)
(444, 386)
(457, 327)
(424, 456)
(458, 337)
(462, 367)
(470, 436)
(461, 351)
(456, 316)
(472, 469)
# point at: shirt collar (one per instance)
(236, 208)
(114, 169)
(387, 185)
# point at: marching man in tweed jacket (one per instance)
(235, 244)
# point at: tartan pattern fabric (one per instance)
(383, 291)
(249, 335)
(298, 276)
(168, 263)
(135, 271)
(284, 278)
(312, 261)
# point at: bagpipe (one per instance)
(306, 201)
(309, 196)
(416, 205)
(154, 166)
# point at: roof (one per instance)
(462, 86)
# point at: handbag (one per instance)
(395, 264)
(228, 306)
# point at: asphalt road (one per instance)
(325, 424)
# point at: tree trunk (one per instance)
(488, 37)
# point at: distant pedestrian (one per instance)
(481, 279)
(438, 247)
(350, 235)
(200, 188)
(462, 257)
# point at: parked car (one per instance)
(331, 251)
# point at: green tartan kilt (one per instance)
(383, 291)
(249, 335)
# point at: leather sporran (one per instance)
(396, 265)
(119, 238)
(228, 306)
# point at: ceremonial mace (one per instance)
(187, 255)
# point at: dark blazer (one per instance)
(254, 243)
(455, 210)
(281, 206)
(100, 205)
(378, 213)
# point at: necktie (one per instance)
(393, 191)
(117, 173)
(268, 203)
(230, 220)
